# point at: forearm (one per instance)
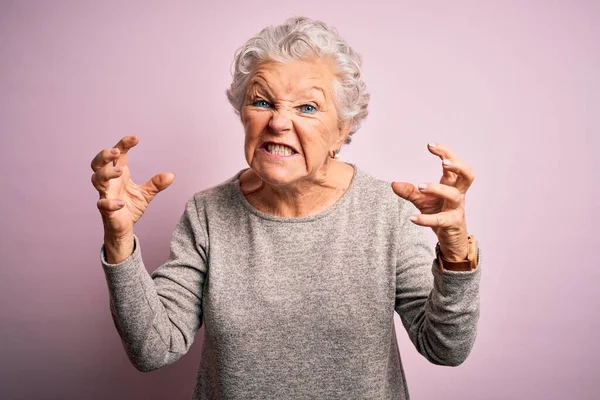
(139, 314)
(439, 309)
(445, 329)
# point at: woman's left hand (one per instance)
(442, 205)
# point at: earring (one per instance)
(335, 154)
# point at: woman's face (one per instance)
(290, 120)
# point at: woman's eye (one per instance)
(261, 103)
(308, 109)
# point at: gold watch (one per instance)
(470, 264)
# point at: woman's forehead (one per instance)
(306, 77)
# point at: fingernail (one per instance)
(446, 162)
(118, 169)
(114, 151)
(132, 137)
(413, 218)
(120, 203)
(422, 186)
(432, 145)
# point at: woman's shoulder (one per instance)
(377, 191)
(367, 182)
(221, 195)
(370, 186)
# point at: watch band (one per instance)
(470, 264)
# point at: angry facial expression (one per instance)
(291, 121)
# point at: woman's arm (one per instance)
(158, 315)
(439, 309)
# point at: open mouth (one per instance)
(279, 149)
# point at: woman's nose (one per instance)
(280, 122)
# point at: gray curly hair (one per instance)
(301, 38)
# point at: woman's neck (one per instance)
(305, 198)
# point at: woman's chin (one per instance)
(277, 175)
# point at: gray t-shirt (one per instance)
(295, 308)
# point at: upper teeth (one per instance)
(279, 149)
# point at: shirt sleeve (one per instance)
(158, 315)
(439, 310)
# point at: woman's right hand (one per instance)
(122, 202)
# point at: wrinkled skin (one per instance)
(442, 205)
(122, 202)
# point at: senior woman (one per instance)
(296, 264)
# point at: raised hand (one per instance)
(442, 205)
(122, 202)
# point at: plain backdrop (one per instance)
(513, 87)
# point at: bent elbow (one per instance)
(455, 360)
(451, 355)
(448, 360)
(146, 367)
(148, 357)
(145, 364)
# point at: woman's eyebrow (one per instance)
(318, 89)
(257, 84)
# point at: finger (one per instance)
(445, 219)
(441, 151)
(106, 206)
(156, 184)
(101, 177)
(438, 149)
(406, 190)
(464, 174)
(124, 145)
(448, 193)
(104, 157)
(456, 172)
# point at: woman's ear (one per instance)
(343, 133)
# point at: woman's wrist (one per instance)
(468, 263)
(454, 245)
(455, 253)
(118, 249)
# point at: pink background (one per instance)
(513, 87)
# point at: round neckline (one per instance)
(307, 218)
